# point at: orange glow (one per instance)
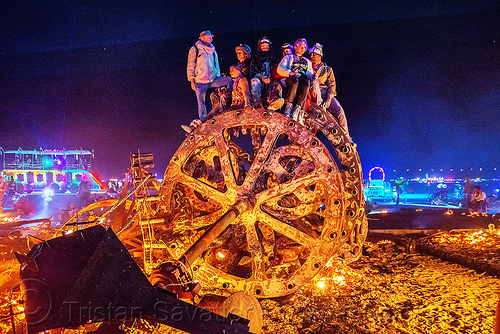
(479, 240)
(449, 212)
(336, 278)
(221, 254)
(383, 211)
(6, 220)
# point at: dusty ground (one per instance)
(388, 290)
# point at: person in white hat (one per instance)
(203, 70)
(324, 87)
(297, 70)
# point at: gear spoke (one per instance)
(289, 231)
(203, 188)
(286, 188)
(261, 156)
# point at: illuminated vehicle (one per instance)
(62, 170)
(378, 188)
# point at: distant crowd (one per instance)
(287, 84)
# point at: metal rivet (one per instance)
(354, 192)
(352, 170)
(314, 143)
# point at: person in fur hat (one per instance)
(203, 70)
(324, 87)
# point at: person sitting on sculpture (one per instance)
(244, 55)
(298, 72)
(324, 88)
(265, 91)
(236, 98)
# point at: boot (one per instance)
(300, 117)
(276, 104)
(295, 113)
(288, 109)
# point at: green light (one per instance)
(47, 162)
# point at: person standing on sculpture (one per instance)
(203, 70)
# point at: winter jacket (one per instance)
(326, 79)
(262, 66)
(292, 61)
(204, 68)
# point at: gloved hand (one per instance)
(326, 103)
(193, 84)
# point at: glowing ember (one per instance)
(220, 255)
(383, 211)
(449, 212)
(5, 220)
(479, 239)
(338, 277)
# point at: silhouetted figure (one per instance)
(478, 200)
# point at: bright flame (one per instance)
(449, 212)
(321, 284)
(220, 255)
(383, 211)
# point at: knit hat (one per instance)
(286, 46)
(245, 48)
(317, 49)
(265, 40)
(205, 33)
(237, 66)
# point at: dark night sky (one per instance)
(419, 80)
